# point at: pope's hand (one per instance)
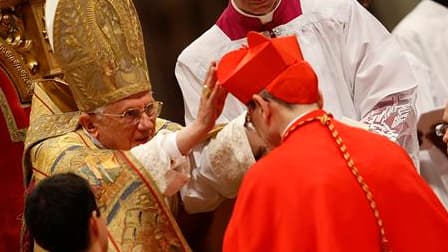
(210, 107)
(212, 101)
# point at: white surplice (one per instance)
(362, 72)
(423, 33)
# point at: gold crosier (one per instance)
(99, 44)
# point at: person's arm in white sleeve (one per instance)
(169, 169)
(163, 155)
(377, 63)
(420, 60)
(222, 164)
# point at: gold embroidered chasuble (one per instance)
(137, 215)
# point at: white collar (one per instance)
(294, 121)
(264, 19)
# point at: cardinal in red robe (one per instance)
(325, 185)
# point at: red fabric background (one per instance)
(11, 179)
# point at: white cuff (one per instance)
(163, 160)
(170, 146)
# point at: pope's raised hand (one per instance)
(210, 107)
(212, 100)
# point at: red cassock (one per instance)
(303, 197)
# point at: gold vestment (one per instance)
(136, 213)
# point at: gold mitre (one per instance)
(99, 44)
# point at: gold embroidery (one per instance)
(47, 126)
(101, 50)
(17, 135)
(20, 76)
(159, 227)
(136, 213)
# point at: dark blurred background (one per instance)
(170, 25)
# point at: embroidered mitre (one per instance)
(99, 44)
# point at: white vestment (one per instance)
(362, 72)
(423, 33)
(434, 169)
(215, 175)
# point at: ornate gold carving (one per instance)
(17, 135)
(20, 75)
(12, 31)
(6, 3)
(44, 30)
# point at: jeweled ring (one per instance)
(206, 91)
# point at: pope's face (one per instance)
(256, 7)
(121, 132)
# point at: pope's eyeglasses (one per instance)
(133, 115)
(440, 129)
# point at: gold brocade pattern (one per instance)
(43, 127)
(136, 214)
(99, 44)
(16, 134)
(19, 74)
(46, 121)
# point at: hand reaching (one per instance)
(212, 101)
(210, 107)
